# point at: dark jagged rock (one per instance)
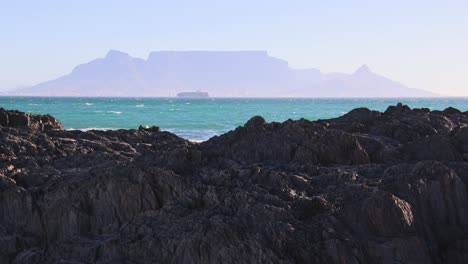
(20, 119)
(367, 187)
(288, 143)
(451, 111)
(397, 122)
(435, 147)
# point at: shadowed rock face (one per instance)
(36, 122)
(367, 187)
(292, 142)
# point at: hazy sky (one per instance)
(423, 44)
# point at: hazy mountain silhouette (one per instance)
(221, 73)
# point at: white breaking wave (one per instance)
(114, 112)
(91, 128)
(140, 105)
(196, 140)
(88, 104)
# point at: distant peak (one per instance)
(364, 69)
(116, 54)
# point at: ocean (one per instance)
(200, 119)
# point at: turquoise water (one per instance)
(200, 119)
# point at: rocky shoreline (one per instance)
(366, 187)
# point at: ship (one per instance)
(197, 94)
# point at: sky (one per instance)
(423, 44)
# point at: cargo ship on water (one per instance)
(197, 94)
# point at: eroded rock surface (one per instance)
(10, 118)
(367, 187)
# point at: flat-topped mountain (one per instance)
(220, 73)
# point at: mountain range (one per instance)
(220, 73)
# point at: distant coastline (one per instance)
(196, 94)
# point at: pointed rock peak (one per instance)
(364, 69)
(115, 54)
(256, 122)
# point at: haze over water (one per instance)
(200, 119)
